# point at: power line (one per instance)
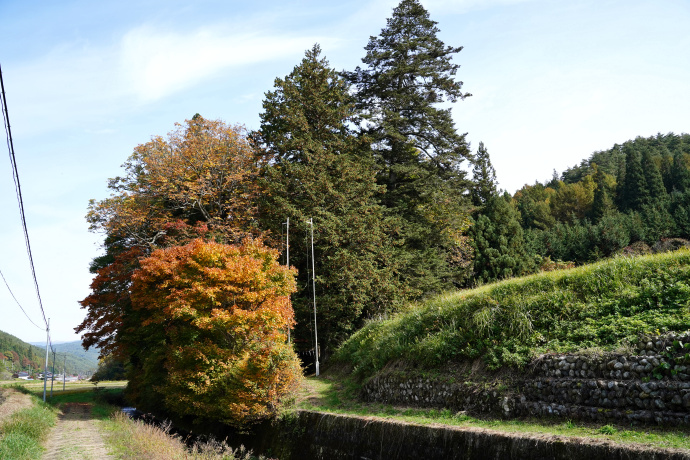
(18, 189)
(15, 299)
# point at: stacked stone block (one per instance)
(649, 385)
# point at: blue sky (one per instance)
(552, 82)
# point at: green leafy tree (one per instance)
(418, 151)
(533, 203)
(573, 202)
(316, 168)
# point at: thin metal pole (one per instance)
(45, 370)
(313, 288)
(64, 372)
(287, 251)
(52, 377)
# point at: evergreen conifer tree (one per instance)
(680, 176)
(316, 168)
(602, 204)
(418, 151)
(634, 190)
(484, 186)
(656, 191)
(498, 242)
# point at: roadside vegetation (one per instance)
(598, 307)
(134, 439)
(126, 438)
(339, 397)
(24, 431)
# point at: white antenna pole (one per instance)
(45, 370)
(313, 280)
(287, 248)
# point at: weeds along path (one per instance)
(76, 436)
(11, 401)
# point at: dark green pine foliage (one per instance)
(418, 151)
(680, 195)
(666, 167)
(498, 242)
(484, 186)
(603, 203)
(680, 176)
(655, 210)
(634, 192)
(656, 191)
(316, 168)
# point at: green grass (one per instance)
(336, 397)
(103, 399)
(603, 306)
(23, 432)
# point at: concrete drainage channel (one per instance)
(315, 435)
(321, 436)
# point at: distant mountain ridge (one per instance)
(20, 355)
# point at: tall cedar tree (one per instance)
(603, 203)
(656, 191)
(417, 148)
(634, 190)
(680, 176)
(317, 168)
(484, 177)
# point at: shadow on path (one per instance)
(76, 435)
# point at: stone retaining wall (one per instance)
(650, 385)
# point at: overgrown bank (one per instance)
(23, 432)
(599, 307)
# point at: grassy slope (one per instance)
(601, 306)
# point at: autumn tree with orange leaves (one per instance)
(199, 181)
(185, 292)
(222, 312)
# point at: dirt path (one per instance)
(76, 436)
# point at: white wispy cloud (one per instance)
(157, 63)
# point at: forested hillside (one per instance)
(18, 355)
(633, 198)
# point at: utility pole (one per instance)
(45, 369)
(52, 376)
(313, 281)
(64, 372)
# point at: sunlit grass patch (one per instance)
(22, 433)
(131, 439)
